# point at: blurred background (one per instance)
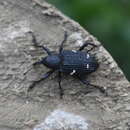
(108, 20)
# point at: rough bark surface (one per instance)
(22, 110)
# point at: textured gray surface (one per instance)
(20, 110)
(60, 120)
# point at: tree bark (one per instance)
(22, 110)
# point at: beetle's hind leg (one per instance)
(86, 44)
(84, 81)
(34, 40)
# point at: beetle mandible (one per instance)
(77, 63)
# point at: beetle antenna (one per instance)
(34, 40)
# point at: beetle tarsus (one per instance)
(31, 86)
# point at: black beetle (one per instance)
(73, 62)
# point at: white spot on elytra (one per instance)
(74, 51)
(88, 56)
(61, 120)
(87, 66)
(74, 71)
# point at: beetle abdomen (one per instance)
(77, 62)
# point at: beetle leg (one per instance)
(36, 44)
(84, 81)
(59, 81)
(61, 46)
(38, 62)
(85, 45)
(45, 76)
